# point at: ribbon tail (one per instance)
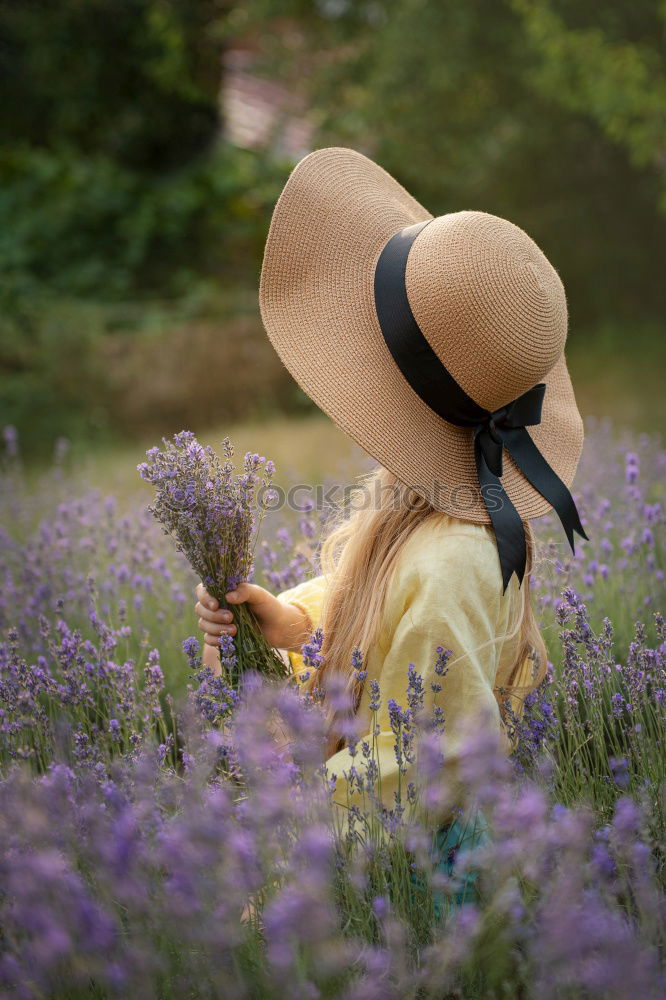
(543, 478)
(505, 519)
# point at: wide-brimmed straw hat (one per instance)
(375, 306)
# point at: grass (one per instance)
(309, 448)
(616, 373)
(577, 868)
(203, 362)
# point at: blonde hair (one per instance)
(358, 558)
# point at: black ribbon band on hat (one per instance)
(493, 431)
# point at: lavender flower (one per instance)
(213, 515)
(138, 825)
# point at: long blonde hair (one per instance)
(358, 558)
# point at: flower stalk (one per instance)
(214, 514)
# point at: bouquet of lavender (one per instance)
(214, 515)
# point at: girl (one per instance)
(434, 343)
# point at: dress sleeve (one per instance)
(450, 596)
(309, 597)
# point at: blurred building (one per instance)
(262, 114)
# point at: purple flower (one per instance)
(620, 769)
(10, 437)
(311, 650)
(213, 515)
(631, 467)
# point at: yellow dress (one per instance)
(446, 591)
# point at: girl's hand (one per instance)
(283, 625)
(213, 620)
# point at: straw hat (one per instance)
(484, 296)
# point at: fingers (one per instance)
(249, 592)
(213, 620)
(205, 598)
(216, 627)
(221, 617)
(214, 640)
(212, 632)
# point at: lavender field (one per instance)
(156, 843)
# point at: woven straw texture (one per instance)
(486, 298)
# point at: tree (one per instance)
(135, 81)
(549, 112)
(618, 82)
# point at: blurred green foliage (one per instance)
(136, 81)
(116, 184)
(119, 186)
(609, 69)
(115, 178)
(551, 113)
(86, 226)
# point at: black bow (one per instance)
(506, 428)
(494, 431)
